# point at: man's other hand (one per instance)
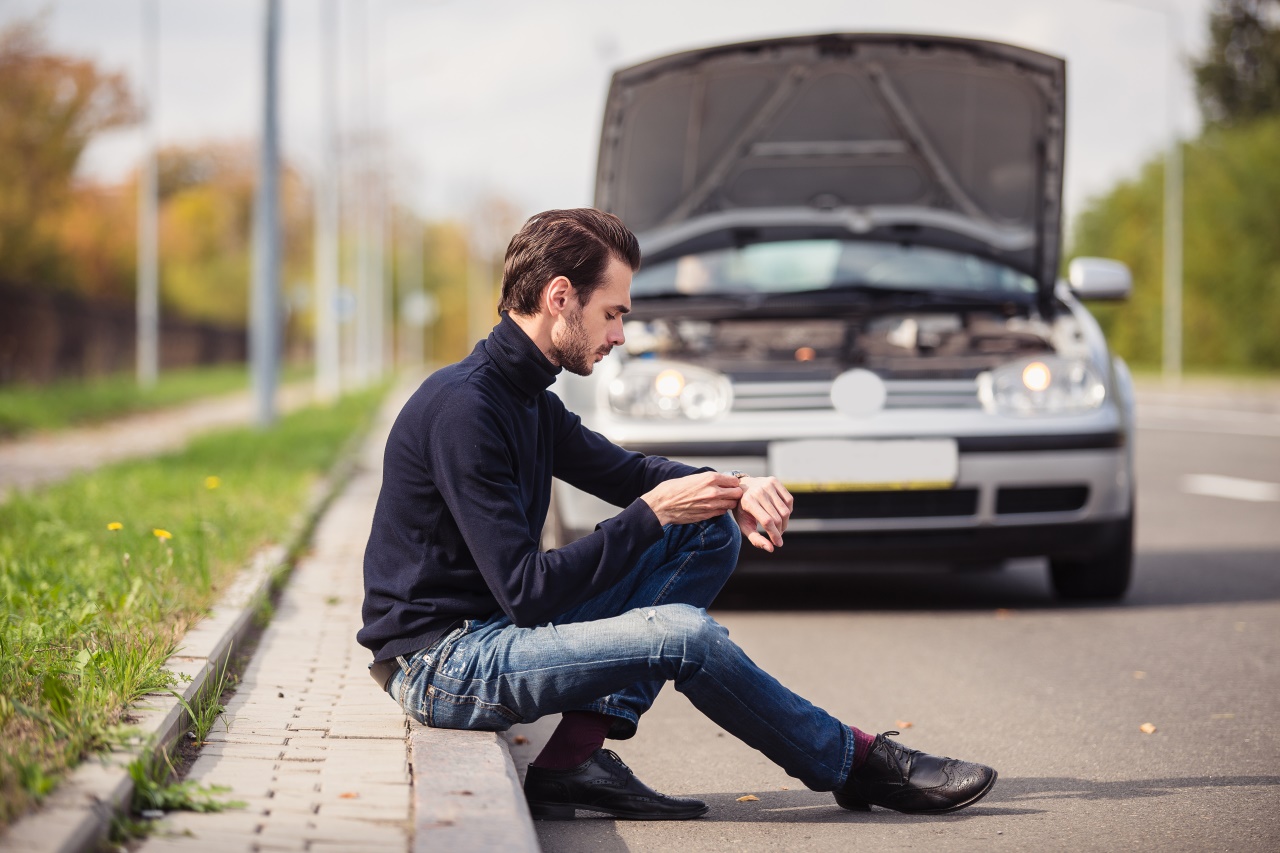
(697, 497)
(765, 506)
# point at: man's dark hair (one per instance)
(576, 244)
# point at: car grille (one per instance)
(912, 503)
(1013, 500)
(816, 395)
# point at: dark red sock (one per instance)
(861, 746)
(579, 734)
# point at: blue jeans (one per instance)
(612, 655)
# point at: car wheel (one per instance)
(1101, 576)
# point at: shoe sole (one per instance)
(569, 811)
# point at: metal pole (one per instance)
(1172, 219)
(265, 330)
(382, 292)
(328, 356)
(1171, 301)
(148, 287)
(412, 296)
(362, 191)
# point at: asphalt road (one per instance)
(989, 667)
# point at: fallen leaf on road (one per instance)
(1147, 728)
(903, 724)
(348, 795)
(784, 788)
(749, 798)
(1003, 613)
(519, 740)
(1139, 674)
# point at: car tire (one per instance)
(1104, 576)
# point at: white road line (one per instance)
(1238, 416)
(1224, 429)
(1210, 420)
(1236, 488)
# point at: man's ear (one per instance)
(557, 296)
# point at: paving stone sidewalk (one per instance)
(308, 742)
(48, 457)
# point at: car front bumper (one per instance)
(1007, 502)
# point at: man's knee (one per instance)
(724, 527)
(717, 536)
(687, 628)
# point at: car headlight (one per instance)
(1047, 385)
(663, 389)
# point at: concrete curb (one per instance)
(466, 793)
(77, 815)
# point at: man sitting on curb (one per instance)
(472, 626)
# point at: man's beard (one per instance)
(574, 351)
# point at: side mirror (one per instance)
(1099, 278)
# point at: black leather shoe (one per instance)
(913, 782)
(602, 783)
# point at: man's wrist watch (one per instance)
(741, 475)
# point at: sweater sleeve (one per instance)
(588, 461)
(473, 468)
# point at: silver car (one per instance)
(852, 245)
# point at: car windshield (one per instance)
(797, 266)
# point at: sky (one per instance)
(504, 98)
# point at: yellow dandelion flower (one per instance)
(115, 525)
(161, 534)
(212, 482)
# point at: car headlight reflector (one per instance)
(1044, 386)
(654, 389)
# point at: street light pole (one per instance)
(327, 342)
(1173, 175)
(1171, 301)
(264, 341)
(363, 198)
(147, 355)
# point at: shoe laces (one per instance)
(614, 756)
(901, 752)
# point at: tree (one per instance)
(206, 229)
(1232, 260)
(1238, 79)
(51, 105)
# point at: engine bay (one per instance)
(894, 345)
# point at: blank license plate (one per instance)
(843, 465)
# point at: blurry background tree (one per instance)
(50, 107)
(1238, 79)
(1231, 290)
(206, 226)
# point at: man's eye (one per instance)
(610, 317)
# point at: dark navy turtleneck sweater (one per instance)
(465, 488)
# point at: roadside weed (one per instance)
(154, 793)
(208, 707)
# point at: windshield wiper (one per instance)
(910, 295)
(710, 295)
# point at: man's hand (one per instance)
(766, 505)
(697, 497)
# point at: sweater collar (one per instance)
(519, 359)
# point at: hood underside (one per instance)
(929, 139)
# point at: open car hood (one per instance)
(942, 141)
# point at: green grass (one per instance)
(24, 408)
(88, 614)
